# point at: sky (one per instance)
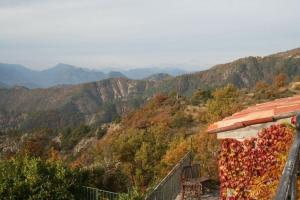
(191, 34)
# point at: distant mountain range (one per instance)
(102, 101)
(64, 74)
(142, 73)
(61, 74)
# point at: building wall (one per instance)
(249, 131)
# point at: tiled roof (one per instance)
(260, 113)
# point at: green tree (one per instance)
(134, 194)
(200, 97)
(207, 147)
(140, 152)
(32, 178)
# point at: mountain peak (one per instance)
(115, 74)
(65, 67)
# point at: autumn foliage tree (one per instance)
(261, 85)
(177, 149)
(207, 148)
(280, 80)
(225, 102)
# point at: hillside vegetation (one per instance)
(91, 103)
(105, 101)
(114, 134)
(139, 149)
(243, 73)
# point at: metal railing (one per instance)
(169, 187)
(90, 193)
(287, 188)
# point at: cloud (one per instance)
(140, 32)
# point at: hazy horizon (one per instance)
(131, 34)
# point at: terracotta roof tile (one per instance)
(260, 113)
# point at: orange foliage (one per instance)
(280, 80)
(261, 85)
(174, 154)
(176, 151)
(160, 98)
(33, 146)
(157, 111)
(53, 154)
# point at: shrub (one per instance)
(134, 194)
(32, 178)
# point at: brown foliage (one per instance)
(160, 98)
(261, 85)
(280, 80)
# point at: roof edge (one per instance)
(239, 125)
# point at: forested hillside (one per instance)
(57, 107)
(141, 147)
(244, 72)
(106, 100)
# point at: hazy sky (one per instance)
(138, 33)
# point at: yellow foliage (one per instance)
(207, 147)
(176, 152)
(265, 187)
(225, 102)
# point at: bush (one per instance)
(134, 194)
(33, 178)
(200, 97)
(107, 177)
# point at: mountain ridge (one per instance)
(66, 74)
(105, 100)
(60, 74)
(60, 106)
(243, 72)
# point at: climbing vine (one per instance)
(251, 169)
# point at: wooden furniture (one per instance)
(191, 184)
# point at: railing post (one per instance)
(288, 181)
(294, 187)
(295, 173)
